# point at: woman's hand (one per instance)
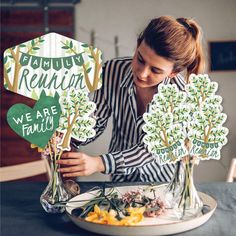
(79, 164)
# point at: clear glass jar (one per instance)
(55, 195)
(181, 194)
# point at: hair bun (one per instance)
(188, 25)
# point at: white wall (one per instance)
(126, 18)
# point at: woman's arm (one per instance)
(119, 163)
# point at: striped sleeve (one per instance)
(122, 162)
(128, 161)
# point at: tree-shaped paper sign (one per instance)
(53, 63)
(75, 121)
(53, 66)
(186, 123)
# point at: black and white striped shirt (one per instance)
(128, 158)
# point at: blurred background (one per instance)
(113, 27)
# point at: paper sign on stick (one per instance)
(75, 119)
(186, 123)
(206, 131)
(165, 136)
(36, 124)
(53, 63)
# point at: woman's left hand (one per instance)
(75, 164)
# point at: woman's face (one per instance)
(149, 69)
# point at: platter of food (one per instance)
(132, 210)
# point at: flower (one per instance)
(133, 196)
(45, 152)
(97, 216)
(155, 208)
(35, 146)
(51, 148)
(102, 216)
(109, 217)
(136, 210)
(136, 216)
(128, 209)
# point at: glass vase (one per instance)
(174, 188)
(55, 195)
(181, 194)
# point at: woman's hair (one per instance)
(178, 40)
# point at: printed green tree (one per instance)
(88, 57)
(75, 120)
(12, 56)
(186, 117)
(164, 122)
(207, 119)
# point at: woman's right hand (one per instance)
(74, 164)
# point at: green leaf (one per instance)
(89, 69)
(5, 60)
(65, 47)
(71, 44)
(34, 95)
(32, 42)
(22, 45)
(8, 70)
(85, 45)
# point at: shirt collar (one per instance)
(128, 78)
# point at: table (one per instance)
(22, 214)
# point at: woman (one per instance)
(166, 47)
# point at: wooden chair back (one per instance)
(25, 170)
(232, 171)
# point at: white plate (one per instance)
(161, 225)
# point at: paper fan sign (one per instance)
(45, 69)
(182, 123)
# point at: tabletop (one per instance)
(22, 214)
